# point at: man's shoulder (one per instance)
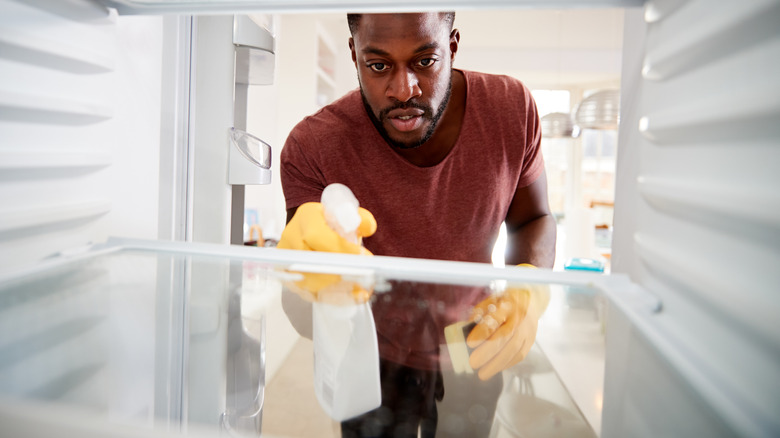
(496, 92)
(491, 82)
(340, 114)
(333, 127)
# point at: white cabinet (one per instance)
(326, 88)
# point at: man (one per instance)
(441, 157)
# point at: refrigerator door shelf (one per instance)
(246, 33)
(151, 337)
(255, 58)
(250, 159)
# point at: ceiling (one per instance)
(576, 48)
(573, 48)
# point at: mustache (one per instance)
(427, 111)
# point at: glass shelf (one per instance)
(177, 337)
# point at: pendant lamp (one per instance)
(600, 110)
(557, 125)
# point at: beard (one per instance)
(428, 114)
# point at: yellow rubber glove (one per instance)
(307, 230)
(506, 328)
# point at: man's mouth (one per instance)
(406, 123)
(406, 119)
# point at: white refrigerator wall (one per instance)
(697, 222)
(79, 127)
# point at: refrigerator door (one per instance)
(160, 338)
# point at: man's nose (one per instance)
(404, 85)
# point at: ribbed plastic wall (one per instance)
(56, 108)
(697, 222)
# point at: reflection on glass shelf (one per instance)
(178, 340)
(534, 403)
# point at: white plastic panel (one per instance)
(56, 107)
(79, 126)
(697, 219)
(86, 345)
(212, 117)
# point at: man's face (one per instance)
(404, 66)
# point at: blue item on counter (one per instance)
(583, 264)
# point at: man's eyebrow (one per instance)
(380, 52)
(375, 51)
(429, 46)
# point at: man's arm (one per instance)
(290, 214)
(531, 227)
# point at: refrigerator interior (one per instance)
(96, 141)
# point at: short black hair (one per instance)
(354, 19)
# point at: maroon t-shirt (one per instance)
(450, 211)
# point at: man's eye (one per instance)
(426, 62)
(378, 66)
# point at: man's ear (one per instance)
(352, 49)
(454, 41)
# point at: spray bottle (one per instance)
(346, 354)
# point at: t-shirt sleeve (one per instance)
(300, 177)
(533, 162)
